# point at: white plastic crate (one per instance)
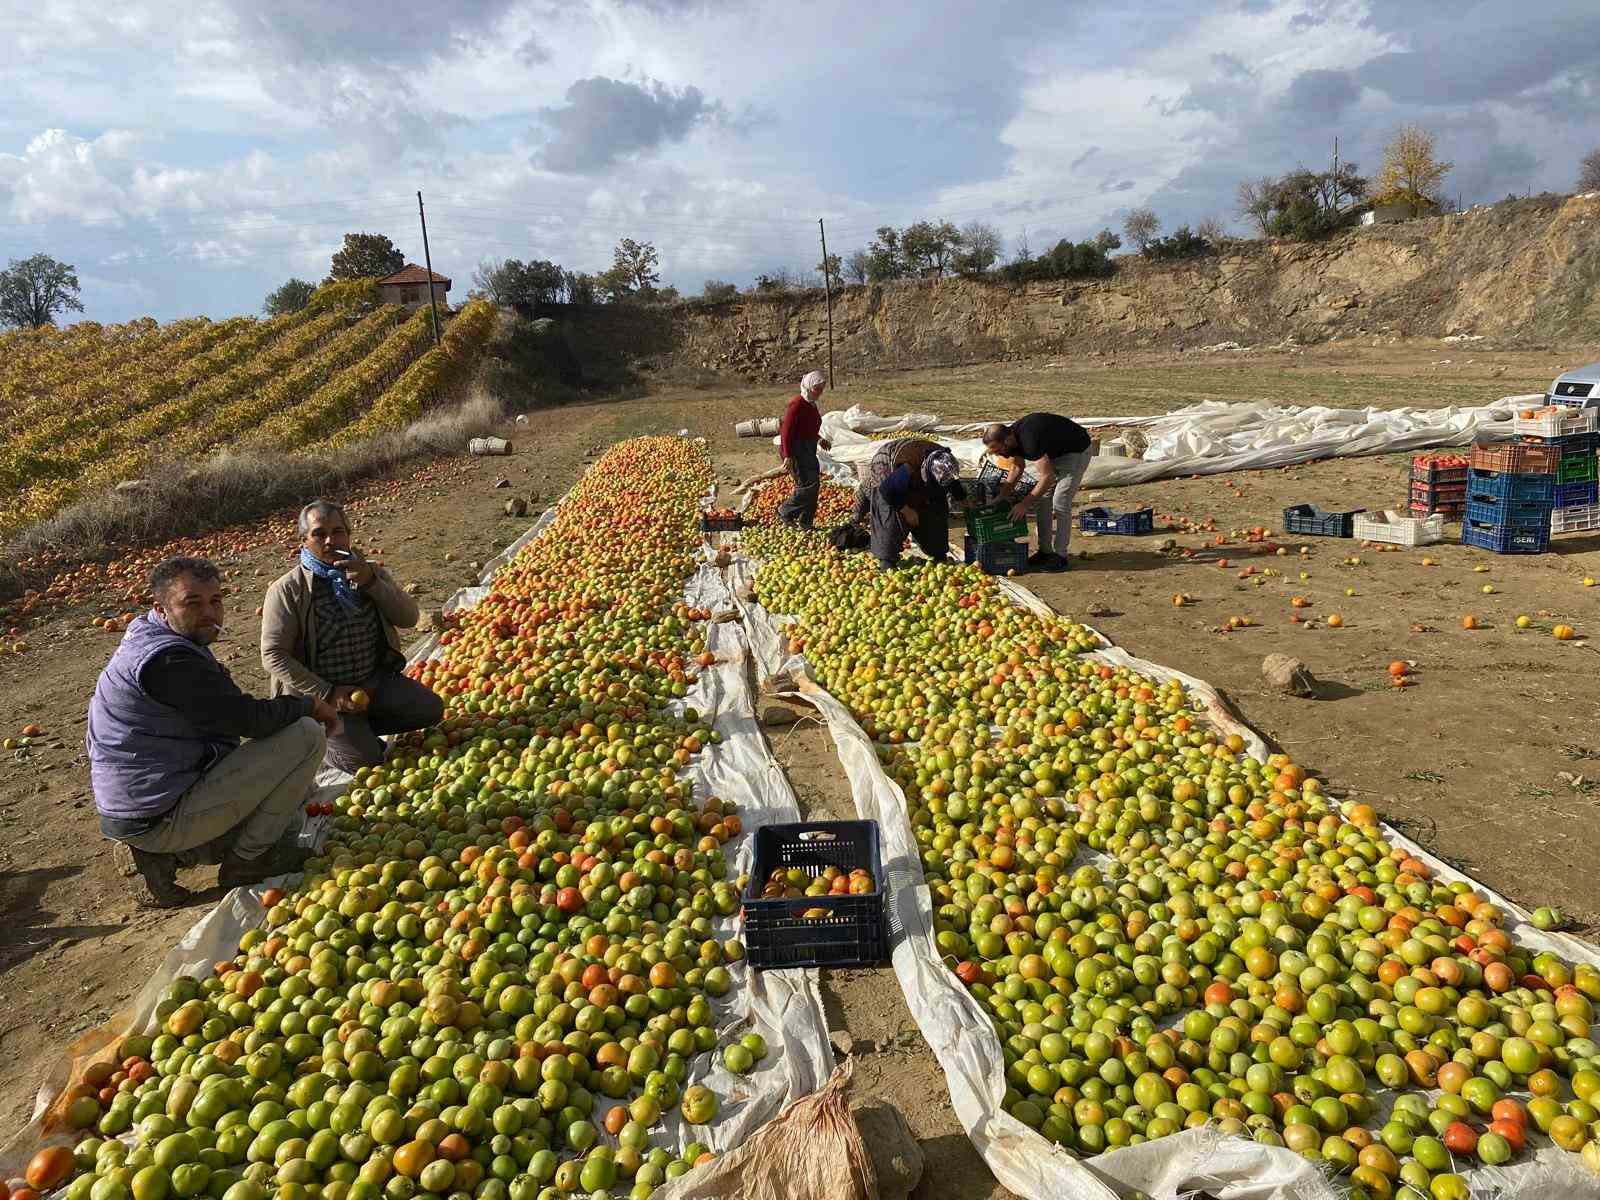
(1398, 529)
(1557, 421)
(1572, 520)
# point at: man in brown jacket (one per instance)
(328, 630)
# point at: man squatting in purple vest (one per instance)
(171, 778)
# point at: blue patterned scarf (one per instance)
(335, 577)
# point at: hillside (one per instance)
(95, 405)
(1523, 269)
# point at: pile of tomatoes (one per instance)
(1168, 932)
(498, 979)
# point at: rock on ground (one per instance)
(896, 1157)
(1287, 674)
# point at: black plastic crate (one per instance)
(996, 558)
(1508, 486)
(1309, 519)
(1504, 539)
(854, 931)
(1104, 520)
(987, 485)
(721, 524)
(1577, 495)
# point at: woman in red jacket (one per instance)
(799, 435)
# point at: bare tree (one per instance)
(1589, 172)
(1141, 226)
(858, 267)
(1255, 202)
(980, 248)
(1211, 229)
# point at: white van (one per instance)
(1578, 388)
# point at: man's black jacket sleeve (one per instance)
(209, 697)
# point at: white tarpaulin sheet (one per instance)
(962, 1037)
(1209, 438)
(785, 1007)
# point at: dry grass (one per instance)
(191, 497)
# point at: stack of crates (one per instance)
(1510, 493)
(1439, 485)
(1570, 433)
(992, 536)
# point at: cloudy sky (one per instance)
(188, 155)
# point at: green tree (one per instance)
(830, 267)
(634, 271)
(1105, 241)
(513, 282)
(580, 287)
(717, 290)
(366, 256)
(929, 248)
(33, 290)
(884, 259)
(290, 296)
(1184, 243)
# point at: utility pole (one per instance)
(1335, 177)
(827, 284)
(427, 260)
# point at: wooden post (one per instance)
(827, 284)
(427, 260)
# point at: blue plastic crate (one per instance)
(1499, 510)
(1310, 520)
(996, 558)
(1505, 540)
(842, 931)
(1507, 486)
(1104, 520)
(1577, 495)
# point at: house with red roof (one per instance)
(409, 286)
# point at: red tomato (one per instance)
(1460, 1138)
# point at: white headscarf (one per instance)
(811, 386)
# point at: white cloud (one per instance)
(200, 152)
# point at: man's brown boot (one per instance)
(159, 874)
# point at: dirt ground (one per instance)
(1492, 760)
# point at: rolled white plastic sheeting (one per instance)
(1209, 438)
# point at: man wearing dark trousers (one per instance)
(329, 629)
(1058, 450)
